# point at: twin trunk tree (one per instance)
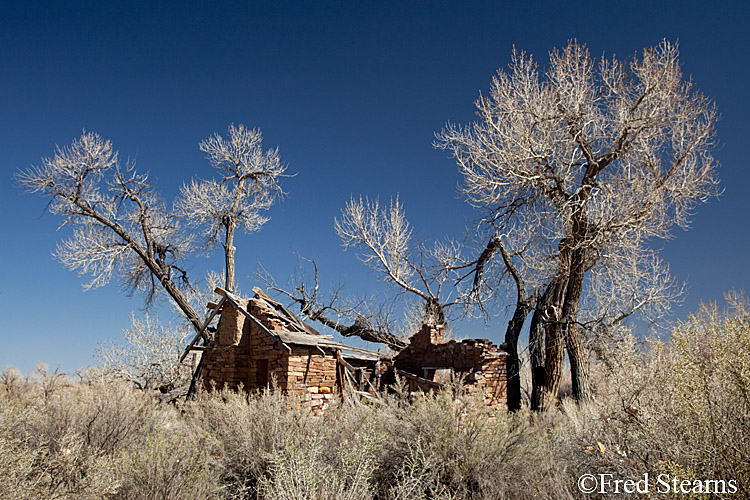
(579, 167)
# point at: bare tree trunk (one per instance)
(545, 338)
(536, 359)
(182, 302)
(540, 355)
(579, 367)
(434, 315)
(512, 362)
(576, 352)
(554, 358)
(229, 250)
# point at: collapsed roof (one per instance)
(295, 331)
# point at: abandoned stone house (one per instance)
(259, 343)
(429, 361)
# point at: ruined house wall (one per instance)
(480, 361)
(311, 376)
(226, 360)
(243, 354)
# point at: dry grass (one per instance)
(679, 408)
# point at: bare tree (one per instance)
(596, 159)
(120, 226)
(249, 185)
(149, 357)
(382, 238)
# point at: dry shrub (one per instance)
(440, 446)
(59, 440)
(170, 464)
(312, 473)
(95, 440)
(679, 408)
(250, 430)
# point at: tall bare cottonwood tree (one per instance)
(120, 225)
(248, 186)
(596, 159)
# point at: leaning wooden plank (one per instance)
(279, 307)
(197, 374)
(340, 373)
(338, 345)
(289, 340)
(418, 379)
(356, 355)
(346, 365)
(374, 390)
(232, 299)
(300, 338)
(200, 333)
(350, 377)
(364, 395)
(320, 342)
(306, 327)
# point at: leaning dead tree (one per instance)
(249, 185)
(120, 225)
(346, 319)
(597, 159)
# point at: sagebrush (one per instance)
(679, 408)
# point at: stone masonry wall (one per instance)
(226, 361)
(480, 361)
(243, 354)
(311, 376)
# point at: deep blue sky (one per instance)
(351, 92)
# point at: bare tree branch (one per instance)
(311, 305)
(120, 226)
